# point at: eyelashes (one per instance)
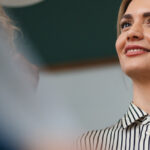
(125, 25)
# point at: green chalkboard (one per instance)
(64, 31)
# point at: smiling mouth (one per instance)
(137, 50)
(133, 50)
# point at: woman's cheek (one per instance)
(147, 35)
(120, 44)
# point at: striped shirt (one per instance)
(132, 132)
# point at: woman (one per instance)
(132, 132)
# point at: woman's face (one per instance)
(133, 44)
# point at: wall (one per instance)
(94, 98)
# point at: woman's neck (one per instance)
(141, 95)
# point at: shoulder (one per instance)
(95, 139)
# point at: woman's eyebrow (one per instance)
(146, 14)
(127, 16)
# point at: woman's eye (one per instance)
(148, 21)
(125, 25)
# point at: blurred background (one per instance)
(73, 44)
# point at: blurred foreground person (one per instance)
(132, 132)
(18, 80)
(9, 31)
(27, 120)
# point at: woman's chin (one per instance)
(137, 71)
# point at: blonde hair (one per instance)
(124, 5)
(8, 26)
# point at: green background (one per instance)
(66, 31)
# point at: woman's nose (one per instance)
(135, 33)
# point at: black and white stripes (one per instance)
(132, 132)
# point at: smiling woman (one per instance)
(133, 49)
(134, 40)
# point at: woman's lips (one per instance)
(134, 50)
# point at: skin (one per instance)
(136, 31)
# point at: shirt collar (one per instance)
(133, 114)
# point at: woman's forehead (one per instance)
(138, 6)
